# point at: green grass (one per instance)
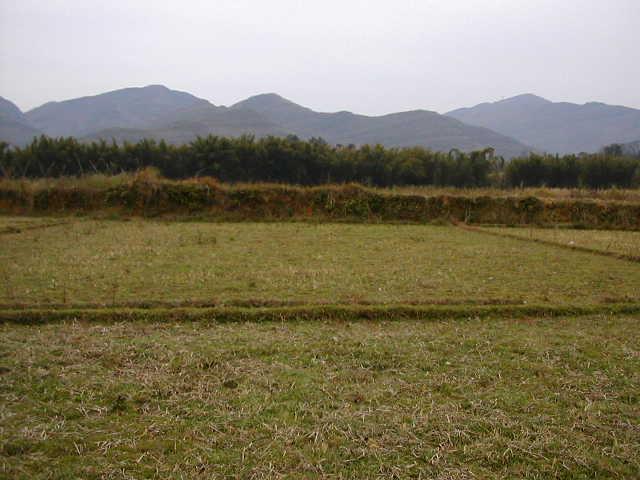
(114, 262)
(606, 241)
(96, 388)
(515, 398)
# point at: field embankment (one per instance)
(205, 199)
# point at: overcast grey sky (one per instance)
(370, 57)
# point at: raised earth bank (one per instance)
(208, 199)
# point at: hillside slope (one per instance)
(418, 127)
(127, 108)
(555, 127)
(188, 124)
(154, 112)
(15, 128)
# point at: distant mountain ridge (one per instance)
(15, 127)
(555, 127)
(154, 111)
(185, 125)
(412, 128)
(158, 112)
(126, 108)
(9, 111)
(513, 126)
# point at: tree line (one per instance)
(598, 170)
(313, 162)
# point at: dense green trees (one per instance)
(291, 160)
(599, 170)
(246, 159)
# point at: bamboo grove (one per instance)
(313, 162)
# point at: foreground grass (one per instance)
(606, 241)
(519, 398)
(111, 262)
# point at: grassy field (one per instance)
(110, 262)
(510, 398)
(606, 241)
(500, 392)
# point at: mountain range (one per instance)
(417, 127)
(15, 127)
(513, 127)
(555, 127)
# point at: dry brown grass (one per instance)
(515, 398)
(603, 195)
(144, 194)
(100, 181)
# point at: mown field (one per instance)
(93, 391)
(492, 398)
(625, 244)
(87, 261)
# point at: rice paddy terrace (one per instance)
(135, 347)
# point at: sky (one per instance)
(371, 57)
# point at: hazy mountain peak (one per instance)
(10, 111)
(129, 108)
(555, 127)
(415, 113)
(512, 104)
(155, 86)
(525, 99)
(14, 125)
(267, 101)
(155, 111)
(268, 97)
(411, 128)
